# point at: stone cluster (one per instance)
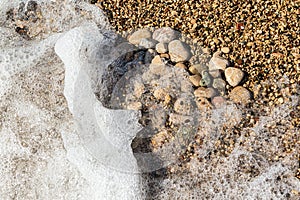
(209, 82)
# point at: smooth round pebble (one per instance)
(165, 35)
(240, 94)
(179, 51)
(193, 70)
(225, 49)
(148, 43)
(157, 60)
(161, 47)
(195, 80)
(137, 36)
(206, 79)
(217, 62)
(233, 76)
(218, 101)
(220, 85)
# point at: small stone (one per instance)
(215, 73)
(225, 49)
(137, 36)
(206, 79)
(240, 94)
(165, 35)
(184, 105)
(139, 89)
(193, 70)
(220, 85)
(157, 60)
(200, 68)
(217, 62)
(234, 76)
(205, 92)
(218, 101)
(180, 65)
(148, 43)
(195, 79)
(179, 51)
(161, 48)
(210, 92)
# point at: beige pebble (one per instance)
(234, 76)
(225, 49)
(240, 94)
(165, 34)
(161, 48)
(218, 101)
(137, 36)
(157, 60)
(179, 51)
(195, 80)
(193, 70)
(205, 92)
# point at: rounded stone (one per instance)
(206, 79)
(137, 36)
(179, 51)
(157, 60)
(240, 94)
(180, 65)
(193, 70)
(161, 48)
(148, 43)
(233, 76)
(165, 35)
(225, 49)
(220, 85)
(218, 101)
(195, 80)
(217, 62)
(205, 92)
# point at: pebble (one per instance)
(205, 92)
(217, 62)
(157, 60)
(234, 76)
(195, 79)
(206, 79)
(148, 43)
(165, 35)
(161, 48)
(240, 94)
(220, 85)
(137, 36)
(179, 51)
(134, 106)
(225, 50)
(193, 70)
(215, 73)
(218, 101)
